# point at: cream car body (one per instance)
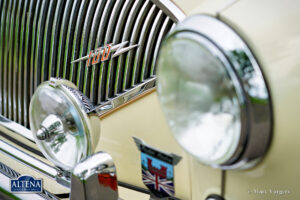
(271, 30)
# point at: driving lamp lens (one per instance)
(199, 97)
(59, 126)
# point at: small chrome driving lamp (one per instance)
(66, 130)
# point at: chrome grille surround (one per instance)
(40, 39)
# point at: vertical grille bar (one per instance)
(136, 73)
(77, 71)
(27, 62)
(45, 49)
(7, 102)
(19, 59)
(39, 39)
(69, 39)
(100, 71)
(109, 39)
(39, 68)
(15, 57)
(126, 37)
(3, 4)
(62, 40)
(134, 39)
(10, 55)
(149, 50)
(164, 30)
(92, 71)
(54, 48)
(118, 39)
(10, 61)
(86, 36)
(34, 41)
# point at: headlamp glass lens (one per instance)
(58, 127)
(199, 98)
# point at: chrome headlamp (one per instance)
(60, 123)
(213, 94)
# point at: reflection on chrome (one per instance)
(95, 177)
(214, 94)
(252, 79)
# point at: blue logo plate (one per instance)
(26, 184)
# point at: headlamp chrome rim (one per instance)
(81, 105)
(256, 131)
(82, 111)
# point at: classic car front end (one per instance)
(149, 99)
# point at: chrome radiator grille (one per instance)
(39, 39)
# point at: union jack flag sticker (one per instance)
(157, 170)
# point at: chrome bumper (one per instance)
(27, 159)
(84, 182)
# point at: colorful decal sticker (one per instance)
(157, 170)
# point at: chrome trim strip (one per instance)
(15, 127)
(28, 160)
(226, 6)
(171, 10)
(133, 187)
(124, 98)
(21, 143)
(7, 171)
(35, 164)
